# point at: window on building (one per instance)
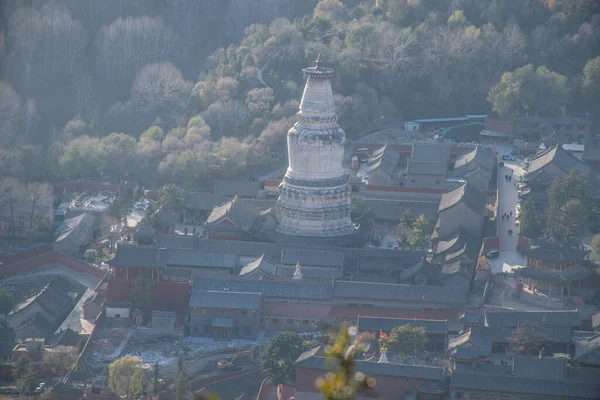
(413, 181)
(275, 320)
(247, 331)
(290, 321)
(490, 397)
(473, 396)
(459, 395)
(195, 328)
(244, 312)
(437, 182)
(206, 328)
(504, 397)
(305, 322)
(117, 315)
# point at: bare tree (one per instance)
(11, 196)
(10, 114)
(159, 85)
(60, 359)
(259, 100)
(38, 204)
(125, 46)
(394, 44)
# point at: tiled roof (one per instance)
(561, 158)
(145, 231)
(465, 193)
(536, 367)
(457, 240)
(309, 360)
(225, 299)
(261, 265)
(130, 255)
(312, 257)
(469, 380)
(401, 293)
(354, 257)
(68, 337)
(233, 387)
(49, 298)
(385, 159)
(416, 167)
(570, 275)
(464, 267)
(237, 188)
(431, 152)
(237, 210)
(199, 258)
(478, 157)
(76, 231)
(392, 209)
(374, 324)
(511, 319)
(470, 344)
(556, 256)
(202, 201)
(423, 269)
(277, 289)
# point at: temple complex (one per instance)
(314, 197)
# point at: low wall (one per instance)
(24, 255)
(47, 258)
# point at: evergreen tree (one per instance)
(7, 301)
(182, 383)
(529, 225)
(155, 380)
(569, 205)
(407, 220)
(280, 355)
(404, 340)
(24, 375)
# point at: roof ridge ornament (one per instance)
(318, 62)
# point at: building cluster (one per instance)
(474, 359)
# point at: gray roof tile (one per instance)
(371, 368)
(321, 258)
(225, 299)
(511, 319)
(468, 380)
(465, 193)
(237, 188)
(431, 151)
(373, 324)
(401, 293)
(426, 167)
(276, 289)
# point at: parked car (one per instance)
(491, 254)
(139, 206)
(508, 157)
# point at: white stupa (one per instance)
(297, 272)
(383, 358)
(314, 197)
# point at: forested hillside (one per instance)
(184, 91)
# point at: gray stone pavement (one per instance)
(507, 202)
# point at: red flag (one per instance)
(383, 335)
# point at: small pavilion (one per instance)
(555, 266)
